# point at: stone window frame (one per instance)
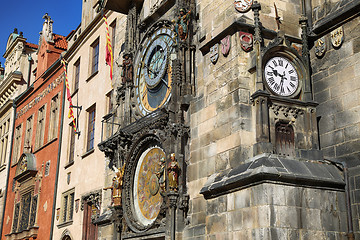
(31, 219)
(76, 75)
(94, 57)
(90, 136)
(4, 139)
(17, 144)
(67, 206)
(113, 35)
(54, 116)
(28, 133)
(40, 127)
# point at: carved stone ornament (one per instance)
(214, 53)
(337, 37)
(93, 198)
(226, 45)
(246, 41)
(77, 204)
(286, 110)
(57, 214)
(320, 47)
(243, 5)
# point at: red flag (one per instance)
(109, 54)
(68, 95)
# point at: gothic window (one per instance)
(77, 75)
(40, 127)
(95, 57)
(17, 144)
(4, 137)
(284, 134)
(28, 134)
(54, 117)
(91, 128)
(67, 206)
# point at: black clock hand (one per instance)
(163, 80)
(275, 72)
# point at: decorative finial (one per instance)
(277, 18)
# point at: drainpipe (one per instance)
(29, 73)
(58, 162)
(8, 169)
(350, 233)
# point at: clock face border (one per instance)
(281, 76)
(292, 57)
(151, 94)
(147, 203)
(140, 148)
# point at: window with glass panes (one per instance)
(91, 128)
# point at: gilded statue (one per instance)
(173, 173)
(116, 186)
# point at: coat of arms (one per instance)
(320, 47)
(337, 37)
(243, 5)
(57, 214)
(214, 53)
(226, 45)
(246, 41)
(77, 203)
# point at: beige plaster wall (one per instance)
(88, 170)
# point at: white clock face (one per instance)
(281, 76)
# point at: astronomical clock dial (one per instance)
(153, 71)
(281, 76)
(149, 175)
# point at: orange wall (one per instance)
(49, 151)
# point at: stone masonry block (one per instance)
(332, 138)
(199, 205)
(352, 132)
(250, 218)
(242, 199)
(216, 224)
(235, 221)
(221, 161)
(228, 142)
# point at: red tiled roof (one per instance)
(31, 45)
(60, 41)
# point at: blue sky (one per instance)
(27, 15)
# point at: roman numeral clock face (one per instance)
(281, 76)
(153, 71)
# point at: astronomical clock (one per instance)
(153, 70)
(149, 151)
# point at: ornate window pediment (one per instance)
(26, 167)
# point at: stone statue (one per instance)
(127, 69)
(116, 187)
(161, 174)
(47, 30)
(181, 26)
(173, 173)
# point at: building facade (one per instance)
(33, 166)
(20, 60)
(82, 172)
(231, 127)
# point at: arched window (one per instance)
(284, 134)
